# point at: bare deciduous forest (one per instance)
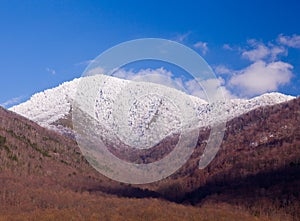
(255, 175)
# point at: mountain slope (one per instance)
(255, 173)
(29, 150)
(44, 177)
(258, 164)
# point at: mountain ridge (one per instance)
(53, 106)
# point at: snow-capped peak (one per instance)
(51, 105)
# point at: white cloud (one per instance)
(266, 72)
(182, 37)
(202, 46)
(290, 41)
(158, 76)
(213, 87)
(12, 101)
(95, 71)
(227, 47)
(277, 50)
(260, 51)
(261, 77)
(51, 71)
(222, 69)
(131, 75)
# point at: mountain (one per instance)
(52, 108)
(43, 176)
(254, 176)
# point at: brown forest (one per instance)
(255, 175)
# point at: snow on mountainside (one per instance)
(49, 106)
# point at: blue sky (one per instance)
(253, 46)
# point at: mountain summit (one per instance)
(52, 108)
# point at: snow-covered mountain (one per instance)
(152, 111)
